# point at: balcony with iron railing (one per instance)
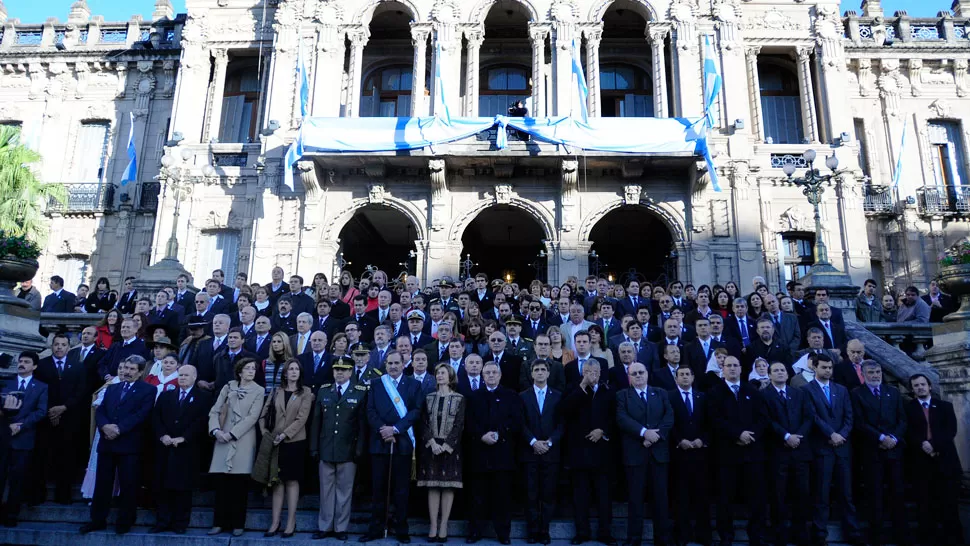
(85, 197)
(879, 200)
(943, 200)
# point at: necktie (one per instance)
(395, 383)
(690, 407)
(643, 396)
(828, 330)
(535, 326)
(340, 392)
(777, 320)
(383, 316)
(926, 415)
(735, 389)
(414, 340)
(828, 393)
(360, 375)
(215, 344)
(316, 362)
(784, 399)
(474, 383)
(259, 343)
(124, 390)
(301, 345)
(23, 387)
(636, 303)
(582, 361)
(858, 373)
(181, 397)
(60, 369)
(707, 347)
(875, 392)
(541, 398)
(743, 326)
(514, 343)
(84, 353)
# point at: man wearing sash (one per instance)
(393, 406)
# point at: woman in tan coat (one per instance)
(282, 452)
(232, 423)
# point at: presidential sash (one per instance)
(395, 397)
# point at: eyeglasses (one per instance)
(637, 373)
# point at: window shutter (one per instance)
(232, 112)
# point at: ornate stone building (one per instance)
(216, 93)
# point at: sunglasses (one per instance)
(637, 373)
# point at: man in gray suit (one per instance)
(576, 322)
(833, 453)
(787, 330)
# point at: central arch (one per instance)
(505, 241)
(628, 238)
(379, 236)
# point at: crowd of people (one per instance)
(677, 397)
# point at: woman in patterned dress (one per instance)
(440, 459)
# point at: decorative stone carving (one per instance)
(865, 76)
(570, 187)
(564, 11)
(632, 194)
(728, 15)
(445, 11)
(889, 86)
(376, 194)
(222, 218)
(682, 12)
(700, 215)
(439, 192)
(328, 13)
(503, 194)
(795, 219)
(37, 80)
(168, 71)
(960, 75)
(941, 108)
(772, 19)
(828, 36)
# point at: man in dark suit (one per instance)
(59, 300)
(183, 296)
(300, 302)
(647, 352)
(849, 374)
(180, 423)
(393, 407)
(201, 314)
(786, 327)
(129, 345)
(739, 326)
(534, 324)
(511, 364)
(541, 439)
(617, 377)
(690, 466)
(224, 361)
(217, 302)
(86, 355)
(364, 322)
(765, 346)
(338, 309)
(208, 348)
(66, 413)
(588, 408)
(162, 315)
(697, 353)
(672, 336)
(23, 430)
(574, 368)
(644, 419)
(419, 339)
(791, 416)
(284, 320)
(732, 345)
(739, 422)
(123, 419)
(834, 331)
(665, 376)
(259, 341)
(879, 422)
(278, 287)
(493, 420)
(940, 304)
(810, 314)
(126, 303)
(482, 295)
(316, 362)
(630, 304)
(832, 452)
(611, 325)
(932, 426)
(325, 321)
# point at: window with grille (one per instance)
(387, 93)
(218, 250)
(240, 102)
(798, 254)
(91, 156)
(780, 103)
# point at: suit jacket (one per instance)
(492, 411)
(529, 331)
(485, 302)
(375, 315)
(661, 378)
(69, 388)
(186, 300)
(126, 303)
(301, 304)
(263, 351)
(544, 425)
(647, 355)
(947, 306)
(614, 328)
(219, 305)
(776, 351)
(731, 416)
(286, 325)
(323, 374)
(424, 340)
(834, 416)
(224, 367)
(177, 468)
(793, 415)
(788, 332)
(92, 380)
(732, 345)
(381, 412)
(632, 416)
(429, 385)
(617, 378)
(108, 365)
(32, 411)
(733, 330)
(586, 411)
(943, 426)
(694, 356)
(557, 376)
(295, 340)
(662, 342)
(844, 374)
(874, 417)
(626, 306)
(204, 358)
(569, 330)
(59, 303)
(689, 426)
(168, 318)
(574, 377)
(274, 294)
(838, 333)
(130, 413)
(434, 350)
(366, 325)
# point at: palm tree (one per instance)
(22, 195)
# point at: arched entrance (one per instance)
(631, 238)
(505, 242)
(378, 236)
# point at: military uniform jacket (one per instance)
(339, 426)
(371, 375)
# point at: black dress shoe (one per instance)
(157, 529)
(91, 527)
(472, 539)
(578, 539)
(320, 535)
(531, 539)
(607, 540)
(504, 541)
(369, 537)
(404, 539)
(544, 539)
(179, 531)
(340, 536)
(269, 534)
(122, 529)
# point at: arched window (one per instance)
(625, 92)
(780, 103)
(387, 93)
(240, 103)
(500, 87)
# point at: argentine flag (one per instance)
(580, 84)
(131, 171)
(899, 154)
(712, 87)
(440, 104)
(304, 82)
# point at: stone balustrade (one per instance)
(911, 338)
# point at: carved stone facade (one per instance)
(179, 77)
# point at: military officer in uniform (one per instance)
(363, 374)
(337, 439)
(524, 347)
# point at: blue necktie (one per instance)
(828, 393)
(690, 407)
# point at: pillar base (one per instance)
(842, 293)
(159, 276)
(19, 327)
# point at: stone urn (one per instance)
(956, 278)
(14, 270)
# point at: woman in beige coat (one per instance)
(282, 453)
(232, 423)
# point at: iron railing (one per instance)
(878, 200)
(943, 199)
(85, 197)
(148, 198)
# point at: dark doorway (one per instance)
(378, 236)
(632, 239)
(505, 243)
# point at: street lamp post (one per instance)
(812, 184)
(175, 172)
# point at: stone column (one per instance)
(358, 39)
(537, 35)
(807, 94)
(475, 38)
(832, 72)
(443, 258)
(447, 56)
(327, 74)
(656, 35)
(731, 57)
(564, 92)
(754, 86)
(193, 79)
(593, 34)
(217, 89)
(687, 69)
(419, 40)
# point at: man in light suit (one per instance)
(391, 445)
(787, 330)
(123, 419)
(23, 430)
(575, 323)
(830, 441)
(59, 300)
(644, 418)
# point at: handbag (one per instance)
(271, 412)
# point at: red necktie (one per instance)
(926, 414)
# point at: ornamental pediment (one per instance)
(772, 22)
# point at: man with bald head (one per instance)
(316, 361)
(179, 425)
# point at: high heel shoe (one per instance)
(288, 535)
(269, 534)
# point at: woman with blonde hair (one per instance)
(347, 288)
(440, 460)
(559, 351)
(279, 353)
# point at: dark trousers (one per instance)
(879, 471)
(752, 476)
(597, 481)
(830, 470)
(13, 468)
(174, 509)
(790, 475)
(936, 497)
(540, 483)
(56, 454)
(490, 492)
(397, 469)
(691, 497)
(637, 479)
(232, 494)
(127, 466)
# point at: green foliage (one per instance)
(958, 254)
(18, 246)
(22, 195)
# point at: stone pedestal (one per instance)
(842, 293)
(19, 325)
(950, 356)
(159, 276)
